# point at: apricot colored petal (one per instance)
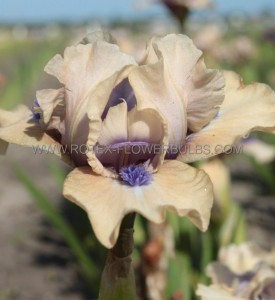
(114, 126)
(52, 105)
(216, 292)
(82, 69)
(201, 89)
(19, 127)
(245, 109)
(179, 187)
(95, 109)
(153, 84)
(205, 94)
(145, 125)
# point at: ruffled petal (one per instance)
(244, 109)
(177, 186)
(154, 83)
(57, 65)
(83, 67)
(204, 94)
(96, 106)
(243, 258)
(19, 127)
(8, 118)
(216, 292)
(56, 68)
(52, 105)
(200, 88)
(87, 66)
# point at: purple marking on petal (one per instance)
(36, 102)
(132, 144)
(121, 91)
(36, 110)
(217, 115)
(136, 175)
(36, 116)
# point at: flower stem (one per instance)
(118, 279)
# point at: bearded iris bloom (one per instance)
(140, 125)
(242, 272)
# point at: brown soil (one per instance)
(34, 262)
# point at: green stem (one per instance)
(118, 279)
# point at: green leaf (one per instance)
(264, 171)
(179, 274)
(57, 171)
(207, 249)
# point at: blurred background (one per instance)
(48, 250)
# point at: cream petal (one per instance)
(220, 274)
(216, 292)
(177, 186)
(145, 125)
(8, 118)
(114, 127)
(244, 109)
(57, 65)
(96, 106)
(153, 84)
(56, 68)
(121, 126)
(204, 94)
(19, 127)
(105, 62)
(186, 190)
(179, 54)
(48, 100)
(243, 258)
(52, 104)
(87, 66)
(81, 70)
(200, 88)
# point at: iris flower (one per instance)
(139, 125)
(242, 272)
